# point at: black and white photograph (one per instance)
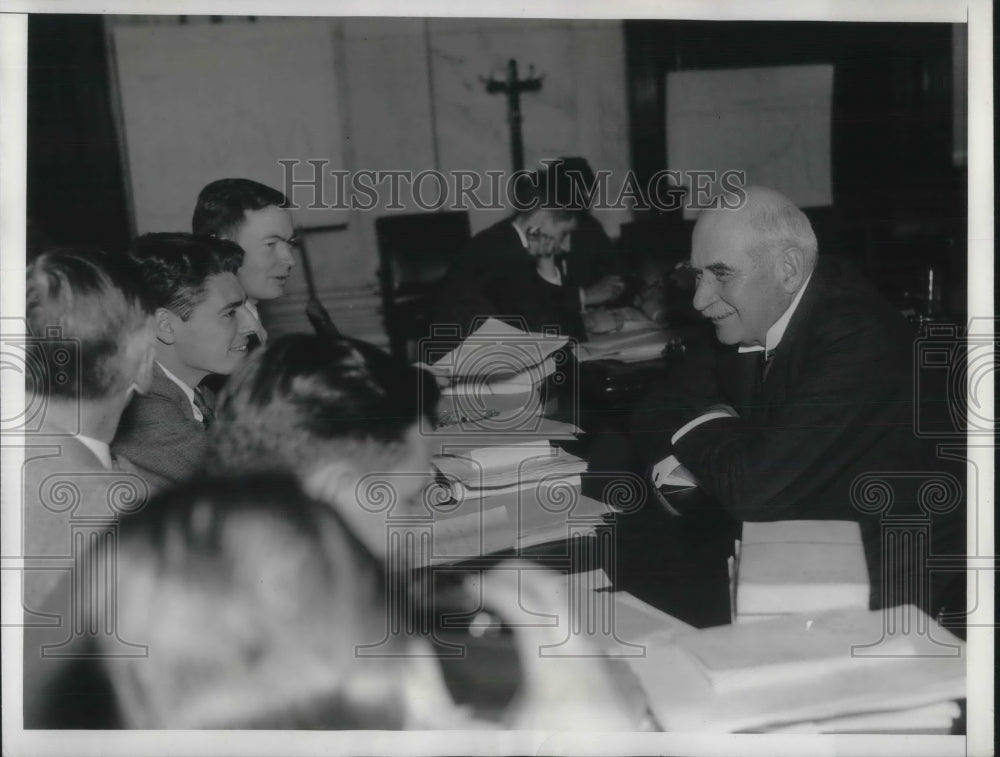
(568, 379)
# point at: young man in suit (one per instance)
(202, 329)
(809, 389)
(255, 217)
(89, 347)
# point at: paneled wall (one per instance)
(413, 99)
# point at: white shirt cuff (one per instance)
(697, 422)
(670, 472)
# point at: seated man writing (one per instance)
(202, 328)
(518, 268)
(592, 258)
(809, 387)
(255, 217)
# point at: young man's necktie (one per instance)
(207, 414)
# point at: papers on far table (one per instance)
(627, 347)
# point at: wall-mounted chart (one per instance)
(773, 123)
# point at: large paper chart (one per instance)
(772, 123)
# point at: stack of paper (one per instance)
(603, 320)
(628, 346)
(471, 528)
(800, 566)
(494, 372)
(805, 669)
(933, 719)
(540, 431)
(490, 471)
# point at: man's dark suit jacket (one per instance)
(495, 276)
(159, 434)
(592, 252)
(837, 405)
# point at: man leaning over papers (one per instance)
(809, 387)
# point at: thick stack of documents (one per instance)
(539, 431)
(797, 566)
(494, 374)
(507, 491)
(824, 672)
(479, 472)
(471, 528)
(628, 346)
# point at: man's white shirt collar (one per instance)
(100, 449)
(188, 391)
(777, 331)
(521, 235)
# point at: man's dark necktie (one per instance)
(766, 361)
(207, 414)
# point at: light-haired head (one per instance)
(90, 322)
(777, 223)
(751, 262)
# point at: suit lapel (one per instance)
(794, 341)
(163, 387)
(740, 379)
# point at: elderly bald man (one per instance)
(808, 388)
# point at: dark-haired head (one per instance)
(251, 599)
(301, 397)
(202, 323)
(549, 204)
(175, 267)
(255, 217)
(89, 317)
(222, 205)
(560, 186)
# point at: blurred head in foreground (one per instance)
(91, 326)
(259, 610)
(345, 421)
(251, 599)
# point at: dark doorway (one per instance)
(75, 182)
